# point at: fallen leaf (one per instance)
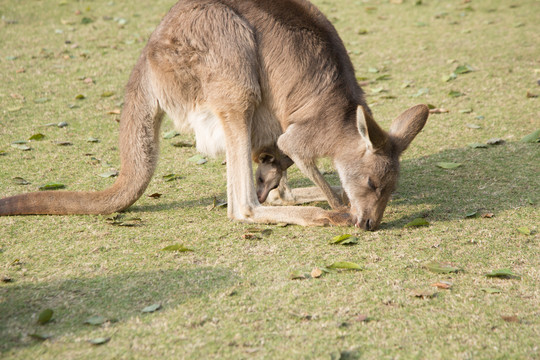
(524, 230)
(532, 137)
(62, 124)
(51, 186)
(22, 147)
(454, 93)
(424, 294)
(443, 285)
(121, 220)
(86, 20)
(503, 274)
(14, 109)
(362, 318)
(95, 320)
(488, 215)
(37, 137)
(114, 112)
(80, 97)
(108, 174)
(421, 91)
(99, 341)
(171, 134)
(92, 140)
(473, 126)
(177, 248)
(41, 100)
(530, 95)
(20, 181)
(250, 236)
(40, 337)
(155, 195)
(316, 273)
(495, 141)
(478, 146)
(510, 318)
(447, 78)
(441, 268)
(63, 143)
(297, 275)
(491, 290)
(45, 316)
(171, 177)
(183, 144)
(216, 204)
(345, 265)
(471, 214)
(264, 232)
(198, 159)
(107, 94)
(151, 308)
(448, 165)
(438, 111)
(417, 222)
(345, 239)
(465, 111)
(463, 69)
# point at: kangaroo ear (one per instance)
(266, 158)
(371, 133)
(286, 162)
(407, 125)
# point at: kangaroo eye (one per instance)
(371, 184)
(260, 180)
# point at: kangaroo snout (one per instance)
(366, 224)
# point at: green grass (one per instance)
(232, 298)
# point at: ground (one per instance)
(233, 297)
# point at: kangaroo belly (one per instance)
(209, 134)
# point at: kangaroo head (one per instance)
(370, 180)
(269, 173)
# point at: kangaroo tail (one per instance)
(139, 145)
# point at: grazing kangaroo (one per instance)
(246, 74)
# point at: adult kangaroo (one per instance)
(246, 74)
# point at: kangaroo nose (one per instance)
(369, 224)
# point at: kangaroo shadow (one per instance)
(75, 300)
(493, 179)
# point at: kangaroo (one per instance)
(272, 186)
(246, 74)
(272, 167)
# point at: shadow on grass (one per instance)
(118, 298)
(495, 179)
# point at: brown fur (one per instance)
(246, 74)
(272, 167)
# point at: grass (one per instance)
(231, 297)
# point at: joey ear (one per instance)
(266, 158)
(407, 125)
(371, 133)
